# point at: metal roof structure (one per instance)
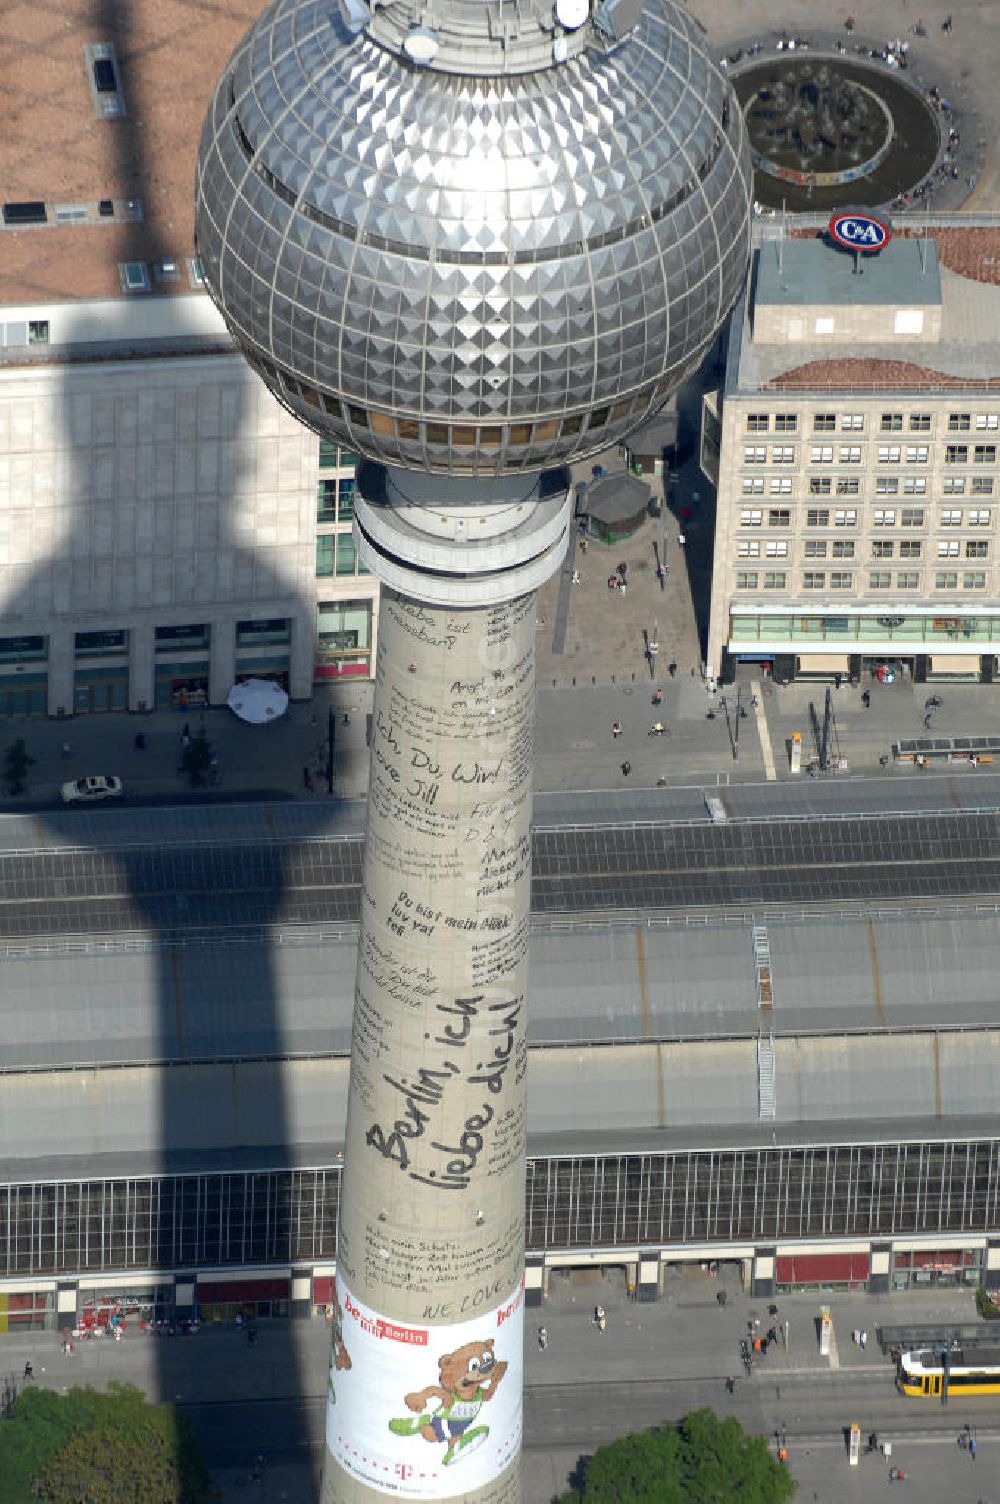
(192, 1034)
(198, 885)
(269, 1114)
(137, 999)
(638, 1029)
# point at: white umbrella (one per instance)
(257, 701)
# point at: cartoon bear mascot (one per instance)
(467, 1378)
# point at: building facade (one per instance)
(166, 527)
(873, 1215)
(854, 446)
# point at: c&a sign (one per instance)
(859, 231)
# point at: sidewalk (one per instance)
(685, 1340)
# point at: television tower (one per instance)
(473, 241)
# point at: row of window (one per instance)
(455, 435)
(958, 422)
(843, 579)
(880, 517)
(186, 637)
(844, 548)
(853, 454)
(885, 485)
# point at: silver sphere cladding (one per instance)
(470, 275)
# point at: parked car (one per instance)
(89, 790)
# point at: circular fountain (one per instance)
(826, 131)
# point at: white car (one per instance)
(89, 790)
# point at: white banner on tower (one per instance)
(425, 1411)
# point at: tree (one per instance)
(104, 1448)
(196, 759)
(16, 763)
(701, 1460)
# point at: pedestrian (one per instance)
(730, 1385)
(613, 582)
(864, 1340)
(623, 569)
(543, 1338)
(307, 780)
(252, 1337)
(681, 540)
(67, 750)
(616, 729)
(972, 1448)
(347, 719)
(29, 1372)
(927, 720)
(626, 769)
(883, 761)
(672, 670)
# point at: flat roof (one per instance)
(140, 999)
(966, 356)
(58, 148)
(794, 271)
(675, 1097)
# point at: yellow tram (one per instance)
(976, 1371)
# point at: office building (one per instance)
(854, 444)
(165, 525)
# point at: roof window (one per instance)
(105, 77)
(27, 212)
(134, 276)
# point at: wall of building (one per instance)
(861, 525)
(159, 529)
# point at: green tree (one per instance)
(101, 1448)
(701, 1460)
(16, 763)
(196, 759)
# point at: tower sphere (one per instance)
(473, 238)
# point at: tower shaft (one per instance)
(425, 1377)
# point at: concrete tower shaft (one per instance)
(426, 1366)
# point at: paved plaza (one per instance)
(962, 63)
(653, 1362)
